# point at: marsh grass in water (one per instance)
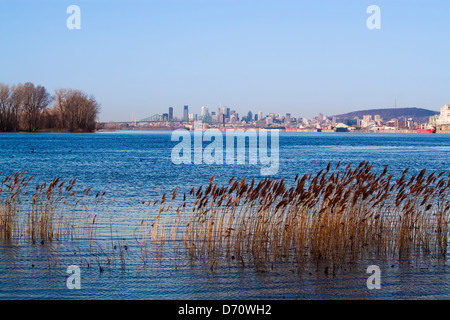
(50, 212)
(334, 217)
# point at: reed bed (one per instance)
(12, 189)
(337, 215)
(54, 212)
(50, 212)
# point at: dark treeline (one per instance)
(27, 107)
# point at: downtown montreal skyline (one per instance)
(297, 57)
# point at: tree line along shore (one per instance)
(31, 108)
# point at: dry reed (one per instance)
(336, 216)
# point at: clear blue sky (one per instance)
(302, 57)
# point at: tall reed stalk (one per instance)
(336, 215)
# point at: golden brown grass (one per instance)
(336, 215)
(49, 213)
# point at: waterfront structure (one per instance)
(444, 117)
(367, 121)
(367, 118)
(153, 118)
(410, 123)
(378, 120)
(443, 121)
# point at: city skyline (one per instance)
(298, 57)
(184, 114)
(225, 116)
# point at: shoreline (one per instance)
(236, 128)
(281, 130)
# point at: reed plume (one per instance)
(336, 215)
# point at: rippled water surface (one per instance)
(136, 166)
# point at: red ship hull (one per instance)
(430, 130)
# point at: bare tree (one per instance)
(35, 100)
(4, 105)
(77, 111)
(73, 110)
(10, 103)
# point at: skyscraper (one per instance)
(221, 117)
(367, 118)
(288, 118)
(186, 114)
(205, 111)
(170, 114)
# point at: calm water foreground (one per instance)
(136, 166)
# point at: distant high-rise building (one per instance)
(165, 117)
(249, 116)
(367, 118)
(221, 118)
(205, 111)
(288, 118)
(260, 115)
(320, 118)
(170, 114)
(186, 113)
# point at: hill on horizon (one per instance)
(419, 115)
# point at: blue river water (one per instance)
(135, 166)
